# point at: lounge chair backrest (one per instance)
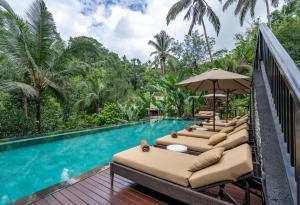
(230, 167)
(238, 128)
(234, 140)
(242, 121)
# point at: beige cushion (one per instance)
(231, 123)
(215, 139)
(241, 127)
(193, 143)
(161, 163)
(196, 133)
(227, 129)
(206, 159)
(211, 128)
(242, 121)
(230, 167)
(234, 140)
(201, 145)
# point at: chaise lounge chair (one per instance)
(220, 125)
(198, 145)
(208, 134)
(168, 172)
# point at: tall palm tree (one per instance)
(32, 45)
(244, 6)
(196, 10)
(162, 45)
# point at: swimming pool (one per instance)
(26, 170)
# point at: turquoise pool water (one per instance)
(26, 170)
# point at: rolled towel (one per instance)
(189, 129)
(145, 146)
(174, 135)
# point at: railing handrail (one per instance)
(287, 66)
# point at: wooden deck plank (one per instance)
(72, 197)
(82, 195)
(96, 189)
(51, 200)
(62, 199)
(42, 202)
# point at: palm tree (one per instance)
(196, 10)
(162, 45)
(244, 6)
(94, 98)
(32, 45)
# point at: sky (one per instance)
(126, 26)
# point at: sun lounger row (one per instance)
(184, 176)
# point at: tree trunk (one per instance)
(207, 42)
(38, 112)
(25, 106)
(268, 14)
(162, 67)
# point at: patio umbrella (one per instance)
(217, 80)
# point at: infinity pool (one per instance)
(26, 170)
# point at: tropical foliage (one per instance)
(196, 11)
(48, 85)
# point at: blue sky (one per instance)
(126, 26)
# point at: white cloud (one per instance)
(127, 32)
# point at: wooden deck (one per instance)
(96, 190)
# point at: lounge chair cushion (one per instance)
(241, 127)
(234, 140)
(207, 159)
(211, 127)
(230, 167)
(242, 121)
(227, 129)
(196, 133)
(215, 139)
(165, 164)
(193, 143)
(231, 123)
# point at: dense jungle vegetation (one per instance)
(49, 85)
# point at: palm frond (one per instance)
(43, 28)
(10, 86)
(155, 45)
(238, 7)
(214, 19)
(227, 4)
(252, 7)
(176, 9)
(6, 6)
(154, 53)
(56, 90)
(275, 3)
(243, 12)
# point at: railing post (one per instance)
(297, 150)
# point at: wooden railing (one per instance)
(283, 77)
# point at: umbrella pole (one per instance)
(193, 107)
(214, 82)
(227, 106)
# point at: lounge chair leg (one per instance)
(221, 190)
(111, 178)
(247, 193)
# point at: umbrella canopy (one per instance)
(217, 80)
(224, 81)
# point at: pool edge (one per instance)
(56, 187)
